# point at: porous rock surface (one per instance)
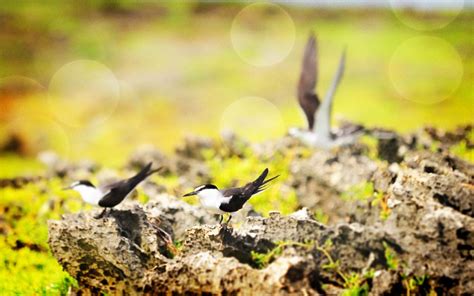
(428, 199)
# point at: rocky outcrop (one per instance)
(414, 232)
(129, 251)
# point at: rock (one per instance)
(417, 224)
(320, 180)
(58, 167)
(177, 213)
(193, 147)
(110, 254)
(386, 283)
(149, 153)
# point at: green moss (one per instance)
(462, 149)
(362, 191)
(13, 165)
(321, 217)
(25, 258)
(31, 273)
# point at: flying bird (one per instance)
(318, 115)
(229, 200)
(108, 196)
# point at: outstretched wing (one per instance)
(307, 97)
(239, 196)
(323, 115)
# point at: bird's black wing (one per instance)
(307, 97)
(116, 192)
(240, 195)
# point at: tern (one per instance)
(110, 195)
(229, 200)
(318, 115)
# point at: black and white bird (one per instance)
(229, 200)
(319, 133)
(110, 195)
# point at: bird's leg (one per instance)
(221, 219)
(230, 217)
(101, 214)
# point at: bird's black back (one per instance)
(240, 195)
(119, 190)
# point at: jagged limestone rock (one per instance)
(109, 254)
(428, 229)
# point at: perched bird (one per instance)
(229, 200)
(110, 195)
(318, 115)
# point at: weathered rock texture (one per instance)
(418, 226)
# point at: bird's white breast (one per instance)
(211, 199)
(89, 194)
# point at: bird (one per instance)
(229, 200)
(318, 115)
(110, 195)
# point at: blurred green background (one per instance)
(103, 76)
(98, 79)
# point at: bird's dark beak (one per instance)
(190, 194)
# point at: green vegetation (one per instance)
(362, 192)
(380, 199)
(321, 217)
(463, 150)
(25, 259)
(354, 284)
(365, 192)
(262, 260)
(391, 258)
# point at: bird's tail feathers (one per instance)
(154, 171)
(264, 185)
(144, 173)
(262, 177)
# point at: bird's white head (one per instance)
(82, 184)
(204, 191)
(88, 192)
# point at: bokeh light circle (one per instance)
(262, 34)
(83, 92)
(423, 18)
(37, 132)
(426, 69)
(253, 118)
